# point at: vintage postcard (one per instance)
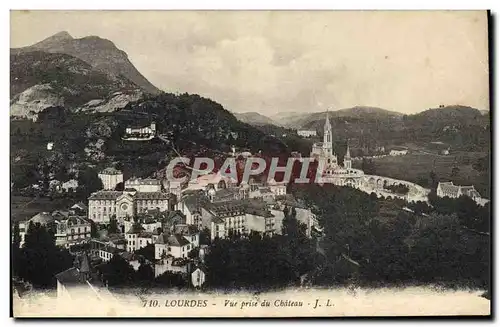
(250, 164)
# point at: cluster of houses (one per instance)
(71, 227)
(169, 218)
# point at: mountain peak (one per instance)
(58, 37)
(98, 52)
(63, 35)
(54, 40)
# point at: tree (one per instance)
(93, 229)
(194, 253)
(145, 273)
(16, 242)
(113, 225)
(119, 187)
(16, 237)
(40, 259)
(455, 171)
(118, 272)
(205, 236)
(368, 166)
(147, 252)
(434, 180)
(170, 279)
(89, 182)
(290, 225)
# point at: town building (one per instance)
(140, 133)
(72, 231)
(306, 132)
(79, 208)
(132, 235)
(198, 276)
(172, 187)
(106, 246)
(173, 265)
(332, 171)
(395, 152)
(448, 189)
(107, 252)
(237, 217)
(81, 282)
(110, 177)
(143, 184)
(191, 204)
(105, 204)
(69, 186)
(277, 188)
(175, 245)
(218, 181)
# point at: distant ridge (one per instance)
(254, 118)
(361, 112)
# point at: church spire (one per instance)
(348, 153)
(327, 122)
(347, 158)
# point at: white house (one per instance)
(110, 177)
(72, 230)
(306, 132)
(398, 153)
(198, 277)
(175, 245)
(146, 130)
(278, 188)
(144, 184)
(70, 186)
(447, 189)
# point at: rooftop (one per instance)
(143, 181)
(110, 171)
(135, 229)
(172, 240)
(42, 218)
(105, 195)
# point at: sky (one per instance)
(301, 61)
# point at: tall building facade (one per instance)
(110, 177)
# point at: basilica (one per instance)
(332, 171)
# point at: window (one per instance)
(78, 230)
(72, 230)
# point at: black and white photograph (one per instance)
(250, 164)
